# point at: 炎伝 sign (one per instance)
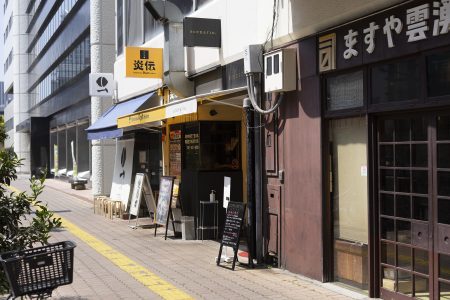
(144, 62)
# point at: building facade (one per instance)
(46, 72)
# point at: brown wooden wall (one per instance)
(299, 155)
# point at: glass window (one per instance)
(119, 43)
(62, 151)
(349, 156)
(220, 146)
(134, 23)
(345, 91)
(53, 143)
(186, 6)
(151, 26)
(200, 3)
(438, 72)
(83, 148)
(394, 82)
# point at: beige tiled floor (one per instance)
(189, 265)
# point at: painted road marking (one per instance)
(152, 281)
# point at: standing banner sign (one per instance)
(232, 229)
(141, 188)
(226, 191)
(55, 158)
(74, 161)
(163, 210)
(123, 170)
(101, 84)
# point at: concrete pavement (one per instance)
(176, 267)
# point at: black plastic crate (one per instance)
(39, 270)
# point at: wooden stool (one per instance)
(116, 209)
(98, 204)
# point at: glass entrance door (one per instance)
(414, 206)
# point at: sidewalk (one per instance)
(188, 265)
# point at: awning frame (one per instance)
(160, 110)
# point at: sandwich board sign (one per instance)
(232, 229)
(101, 84)
(141, 188)
(164, 208)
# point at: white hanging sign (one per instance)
(101, 84)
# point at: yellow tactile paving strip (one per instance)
(149, 279)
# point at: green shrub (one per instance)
(24, 221)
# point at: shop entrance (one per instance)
(414, 206)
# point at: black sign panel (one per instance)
(202, 32)
(234, 75)
(406, 29)
(232, 229)
(233, 224)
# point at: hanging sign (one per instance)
(101, 84)
(144, 62)
(232, 229)
(202, 32)
(182, 108)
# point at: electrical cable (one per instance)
(252, 91)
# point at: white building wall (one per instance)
(247, 22)
(20, 41)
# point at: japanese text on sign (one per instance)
(144, 62)
(416, 24)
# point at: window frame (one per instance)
(345, 112)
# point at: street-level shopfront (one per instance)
(385, 82)
(202, 143)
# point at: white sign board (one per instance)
(137, 193)
(123, 169)
(101, 84)
(141, 188)
(226, 191)
(183, 108)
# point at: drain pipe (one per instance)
(250, 180)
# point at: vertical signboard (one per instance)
(123, 169)
(175, 151)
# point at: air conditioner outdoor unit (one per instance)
(280, 70)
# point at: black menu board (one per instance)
(232, 228)
(191, 146)
(175, 151)
(164, 200)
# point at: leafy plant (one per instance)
(24, 220)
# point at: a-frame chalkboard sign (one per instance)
(232, 229)
(163, 209)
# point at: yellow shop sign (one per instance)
(144, 62)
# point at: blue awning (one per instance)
(106, 126)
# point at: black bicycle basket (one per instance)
(38, 270)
